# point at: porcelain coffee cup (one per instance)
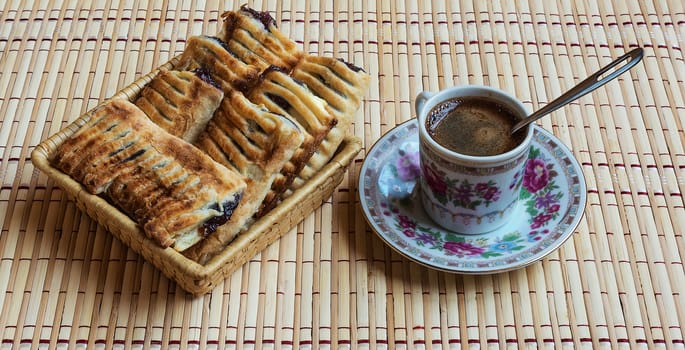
(464, 193)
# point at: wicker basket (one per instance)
(190, 275)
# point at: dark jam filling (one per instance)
(280, 101)
(220, 42)
(352, 66)
(135, 155)
(274, 68)
(242, 85)
(263, 17)
(212, 224)
(204, 75)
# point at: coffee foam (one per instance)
(474, 126)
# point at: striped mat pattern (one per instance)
(618, 282)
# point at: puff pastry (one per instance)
(181, 102)
(174, 191)
(332, 84)
(253, 36)
(338, 87)
(212, 54)
(342, 86)
(255, 142)
(284, 95)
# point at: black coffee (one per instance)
(475, 126)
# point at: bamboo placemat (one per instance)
(619, 282)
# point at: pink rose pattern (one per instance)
(540, 193)
(451, 244)
(407, 165)
(535, 175)
(463, 249)
(435, 181)
(541, 198)
(461, 193)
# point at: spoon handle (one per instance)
(586, 86)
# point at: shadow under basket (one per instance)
(190, 275)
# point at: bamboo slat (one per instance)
(329, 281)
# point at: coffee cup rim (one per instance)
(476, 91)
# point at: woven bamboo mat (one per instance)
(618, 282)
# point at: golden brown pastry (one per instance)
(255, 142)
(333, 84)
(212, 54)
(253, 36)
(175, 192)
(282, 94)
(181, 102)
(342, 85)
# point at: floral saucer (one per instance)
(551, 205)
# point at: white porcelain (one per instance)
(463, 193)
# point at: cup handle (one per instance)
(421, 99)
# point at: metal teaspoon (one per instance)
(586, 86)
